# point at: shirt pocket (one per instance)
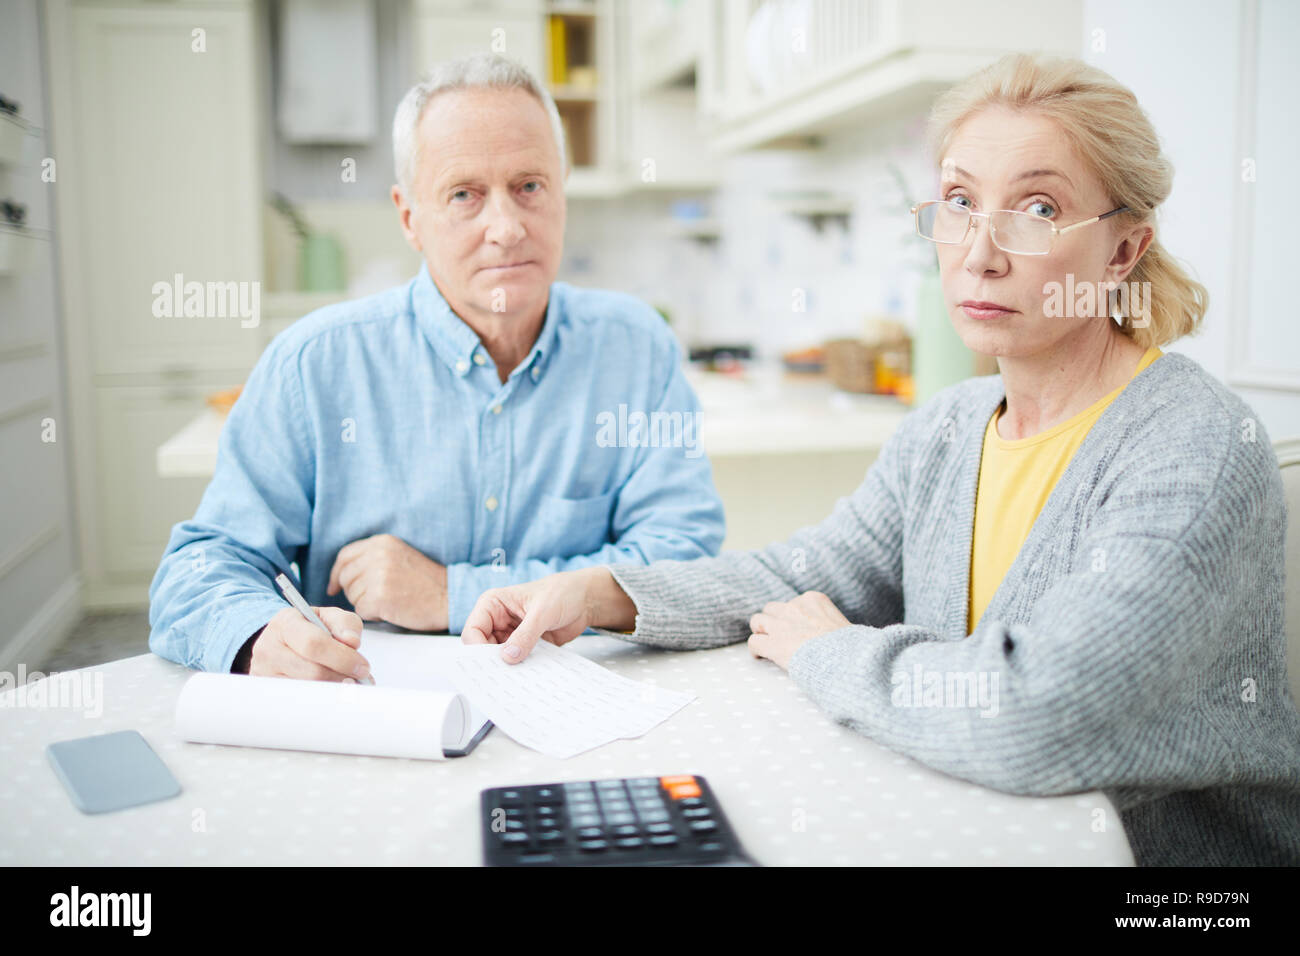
(566, 527)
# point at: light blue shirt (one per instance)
(386, 415)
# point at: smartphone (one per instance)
(111, 771)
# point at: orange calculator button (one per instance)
(681, 790)
(673, 781)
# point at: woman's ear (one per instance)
(1132, 244)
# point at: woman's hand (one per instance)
(783, 626)
(556, 608)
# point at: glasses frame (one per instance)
(1057, 231)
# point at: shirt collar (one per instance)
(458, 345)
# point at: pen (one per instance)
(293, 597)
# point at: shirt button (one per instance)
(491, 503)
(479, 359)
(496, 409)
(461, 366)
(536, 372)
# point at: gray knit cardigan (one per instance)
(1135, 646)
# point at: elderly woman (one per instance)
(1097, 532)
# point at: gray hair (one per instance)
(478, 71)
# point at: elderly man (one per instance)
(410, 450)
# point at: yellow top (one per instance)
(1015, 480)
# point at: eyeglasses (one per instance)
(1020, 233)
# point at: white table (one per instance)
(798, 788)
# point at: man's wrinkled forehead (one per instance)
(477, 133)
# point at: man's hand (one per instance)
(292, 646)
(386, 579)
(783, 626)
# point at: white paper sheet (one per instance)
(320, 715)
(558, 702)
(430, 691)
(417, 661)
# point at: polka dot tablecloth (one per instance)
(798, 788)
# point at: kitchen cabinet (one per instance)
(154, 128)
(786, 69)
(162, 180)
(445, 29)
(136, 508)
(665, 130)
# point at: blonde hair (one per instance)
(1101, 118)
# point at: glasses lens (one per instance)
(942, 221)
(1020, 232)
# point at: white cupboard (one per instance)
(155, 122)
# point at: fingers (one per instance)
(345, 556)
(352, 579)
(760, 646)
(344, 625)
(526, 635)
(314, 646)
(482, 624)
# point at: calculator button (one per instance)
(514, 811)
(514, 823)
(537, 858)
(690, 802)
(607, 785)
(545, 793)
(696, 812)
(617, 819)
(581, 806)
(574, 788)
(630, 843)
(551, 811)
(513, 795)
(654, 816)
(617, 806)
(671, 782)
(592, 846)
(656, 828)
(679, 790)
(703, 826)
(585, 820)
(514, 838)
(711, 847)
(591, 833)
(663, 839)
(551, 836)
(652, 782)
(626, 830)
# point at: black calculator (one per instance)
(633, 821)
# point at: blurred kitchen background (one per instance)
(746, 166)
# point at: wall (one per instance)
(1190, 90)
